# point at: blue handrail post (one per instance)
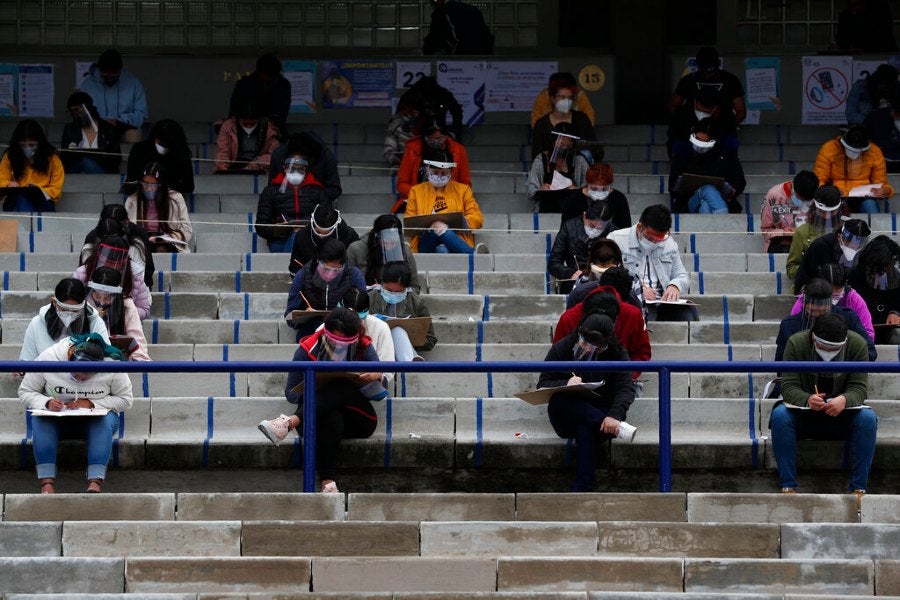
(665, 430)
(309, 431)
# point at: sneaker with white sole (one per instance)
(481, 248)
(276, 429)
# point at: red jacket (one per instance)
(629, 329)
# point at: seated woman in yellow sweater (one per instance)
(440, 195)
(32, 164)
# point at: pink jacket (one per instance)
(139, 291)
(778, 213)
(134, 329)
(227, 146)
(854, 302)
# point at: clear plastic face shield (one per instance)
(338, 346)
(78, 356)
(438, 173)
(102, 296)
(823, 217)
(68, 313)
(320, 230)
(827, 350)
(585, 350)
(563, 148)
(813, 308)
(112, 257)
(851, 244)
(295, 168)
(851, 152)
(391, 245)
(84, 117)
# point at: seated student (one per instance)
(881, 124)
(265, 87)
(842, 295)
(433, 137)
(114, 221)
(396, 299)
(650, 253)
(705, 105)
(706, 158)
(598, 188)
(876, 277)
(89, 144)
(321, 284)
(402, 127)
(589, 419)
(377, 330)
(629, 322)
(562, 95)
(440, 194)
(66, 314)
(383, 244)
(31, 172)
(118, 94)
(823, 217)
(544, 105)
(343, 411)
(834, 400)
(850, 161)
(871, 93)
(710, 75)
(556, 169)
(568, 260)
(288, 201)
(605, 256)
(839, 246)
(245, 142)
(785, 208)
(325, 224)
(322, 162)
(160, 209)
(434, 102)
(167, 146)
(113, 251)
(817, 301)
(67, 391)
(118, 312)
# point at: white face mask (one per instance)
(701, 115)
(598, 194)
(849, 253)
(827, 355)
(248, 130)
(592, 232)
(67, 317)
(835, 298)
(295, 178)
(563, 106)
(646, 245)
(438, 181)
(852, 154)
(161, 150)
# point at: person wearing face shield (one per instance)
(704, 106)
(118, 312)
(839, 246)
(569, 254)
(818, 301)
(826, 212)
(850, 161)
(842, 295)
(343, 407)
(322, 162)
(325, 224)
(287, 203)
(31, 172)
(598, 187)
(396, 299)
(321, 284)
(729, 91)
(166, 145)
(707, 158)
(67, 314)
(109, 394)
(89, 144)
(440, 194)
(246, 141)
(876, 277)
(118, 95)
(824, 405)
(562, 95)
(605, 256)
(433, 137)
(556, 174)
(595, 418)
(786, 206)
(114, 221)
(383, 244)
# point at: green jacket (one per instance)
(797, 387)
(803, 237)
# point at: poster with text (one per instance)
(513, 86)
(409, 72)
(9, 82)
(302, 76)
(466, 80)
(357, 83)
(826, 84)
(36, 90)
(763, 82)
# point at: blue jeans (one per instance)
(21, 203)
(449, 243)
(574, 417)
(284, 244)
(869, 206)
(707, 200)
(858, 427)
(97, 431)
(403, 348)
(86, 164)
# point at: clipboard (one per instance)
(415, 327)
(77, 412)
(418, 223)
(299, 317)
(543, 395)
(688, 183)
(323, 378)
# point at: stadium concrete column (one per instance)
(638, 38)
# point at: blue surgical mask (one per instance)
(363, 315)
(797, 201)
(393, 297)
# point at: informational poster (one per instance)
(826, 84)
(514, 85)
(301, 74)
(466, 80)
(82, 70)
(763, 77)
(9, 80)
(409, 72)
(36, 90)
(357, 83)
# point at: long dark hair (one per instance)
(171, 135)
(115, 312)
(68, 289)
(374, 258)
(116, 241)
(116, 213)
(160, 198)
(29, 129)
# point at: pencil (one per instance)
(308, 305)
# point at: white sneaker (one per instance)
(481, 248)
(276, 429)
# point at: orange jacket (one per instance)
(408, 175)
(833, 166)
(457, 197)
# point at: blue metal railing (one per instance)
(664, 368)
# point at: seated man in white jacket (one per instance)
(87, 405)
